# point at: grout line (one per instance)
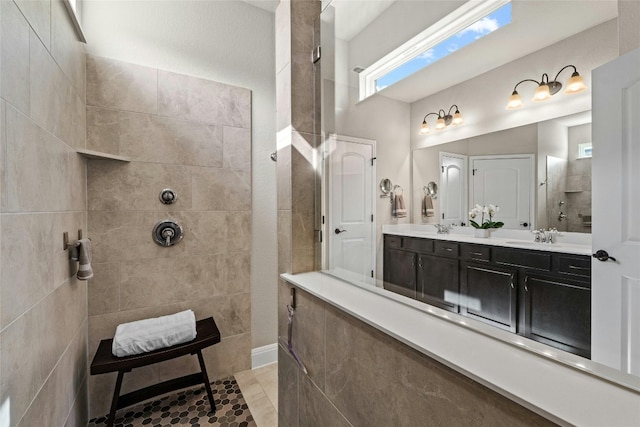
(35, 396)
(75, 398)
(40, 126)
(180, 119)
(32, 306)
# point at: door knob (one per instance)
(339, 230)
(602, 255)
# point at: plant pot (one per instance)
(481, 232)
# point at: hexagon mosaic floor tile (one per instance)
(188, 408)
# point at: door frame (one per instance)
(329, 142)
(532, 190)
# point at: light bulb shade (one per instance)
(440, 124)
(542, 93)
(424, 129)
(457, 118)
(575, 84)
(515, 101)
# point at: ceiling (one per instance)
(535, 24)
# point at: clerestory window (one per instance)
(460, 28)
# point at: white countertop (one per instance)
(565, 388)
(570, 243)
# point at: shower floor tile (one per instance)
(188, 408)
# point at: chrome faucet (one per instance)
(545, 236)
(442, 228)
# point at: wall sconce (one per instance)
(546, 89)
(444, 120)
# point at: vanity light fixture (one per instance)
(546, 89)
(444, 120)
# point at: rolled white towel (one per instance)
(147, 335)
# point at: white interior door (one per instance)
(453, 188)
(616, 219)
(351, 197)
(507, 182)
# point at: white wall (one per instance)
(387, 122)
(482, 100)
(378, 118)
(226, 41)
(628, 34)
(578, 135)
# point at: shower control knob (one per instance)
(168, 196)
(167, 233)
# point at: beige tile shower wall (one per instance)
(194, 136)
(43, 308)
(578, 182)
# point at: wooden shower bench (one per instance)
(207, 334)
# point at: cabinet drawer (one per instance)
(393, 241)
(477, 253)
(418, 245)
(529, 259)
(447, 249)
(577, 266)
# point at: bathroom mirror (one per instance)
(355, 36)
(560, 184)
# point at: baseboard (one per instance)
(264, 355)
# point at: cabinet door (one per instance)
(488, 294)
(557, 312)
(438, 282)
(400, 272)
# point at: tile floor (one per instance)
(260, 390)
(188, 408)
(259, 387)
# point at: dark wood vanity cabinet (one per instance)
(412, 269)
(544, 296)
(557, 311)
(438, 282)
(400, 272)
(490, 294)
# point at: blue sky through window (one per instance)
(473, 32)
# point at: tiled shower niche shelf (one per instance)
(90, 154)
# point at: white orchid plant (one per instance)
(481, 211)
